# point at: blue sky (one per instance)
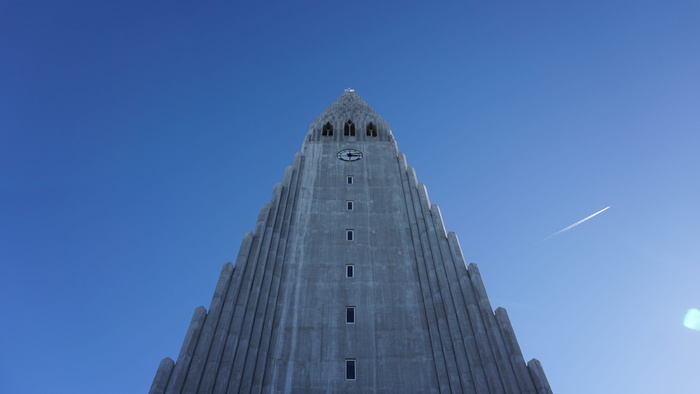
(139, 139)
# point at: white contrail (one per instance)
(577, 223)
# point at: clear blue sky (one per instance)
(138, 141)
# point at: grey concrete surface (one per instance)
(423, 321)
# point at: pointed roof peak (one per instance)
(349, 106)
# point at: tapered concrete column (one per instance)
(498, 347)
(469, 334)
(440, 298)
(240, 302)
(249, 332)
(516, 356)
(219, 340)
(484, 346)
(160, 382)
(243, 376)
(409, 184)
(538, 377)
(447, 373)
(451, 296)
(183, 360)
(268, 323)
(201, 353)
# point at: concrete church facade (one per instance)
(350, 283)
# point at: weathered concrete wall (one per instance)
(423, 322)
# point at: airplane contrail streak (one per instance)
(577, 223)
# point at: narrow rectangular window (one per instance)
(349, 369)
(350, 235)
(350, 205)
(349, 179)
(350, 314)
(350, 271)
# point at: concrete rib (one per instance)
(441, 309)
(458, 327)
(240, 305)
(435, 232)
(538, 377)
(477, 365)
(199, 359)
(499, 351)
(222, 329)
(250, 361)
(515, 355)
(436, 347)
(249, 303)
(160, 382)
(434, 303)
(260, 367)
(488, 361)
(177, 378)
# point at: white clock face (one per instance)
(349, 155)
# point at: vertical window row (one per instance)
(350, 363)
(349, 233)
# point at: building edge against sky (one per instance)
(349, 282)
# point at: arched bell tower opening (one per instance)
(371, 130)
(327, 130)
(349, 129)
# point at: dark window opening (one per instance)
(371, 130)
(350, 234)
(349, 180)
(350, 271)
(349, 128)
(350, 315)
(327, 129)
(350, 369)
(350, 206)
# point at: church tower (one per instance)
(349, 283)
